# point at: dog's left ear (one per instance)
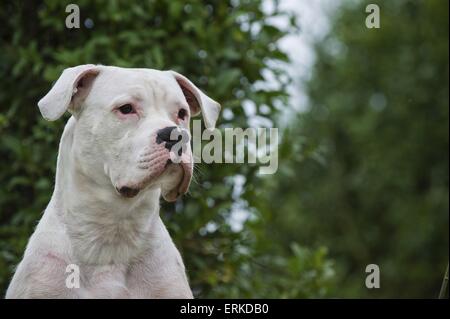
(68, 92)
(198, 101)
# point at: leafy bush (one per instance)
(371, 152)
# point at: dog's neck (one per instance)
(103, 227)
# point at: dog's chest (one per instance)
(107, 281)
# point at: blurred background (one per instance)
(363, 116)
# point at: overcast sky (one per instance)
(313, 19)
(314, 24)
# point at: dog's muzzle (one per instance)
(166, 154)
(176, 140)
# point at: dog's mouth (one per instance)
(172, 194)
(128, 192)
(174, 180)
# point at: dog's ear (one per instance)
(68, 92)
(198, 101)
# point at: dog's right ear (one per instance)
(68, 92)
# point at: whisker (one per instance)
(199, 169)
(195, 180)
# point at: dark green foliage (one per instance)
(209, 41)
(371, 153)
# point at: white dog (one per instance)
(114, 162)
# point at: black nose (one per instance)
(163, 135)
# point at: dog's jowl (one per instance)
(101, 235)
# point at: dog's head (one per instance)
(127, 123)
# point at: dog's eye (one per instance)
(182, 113)
(127, 109)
